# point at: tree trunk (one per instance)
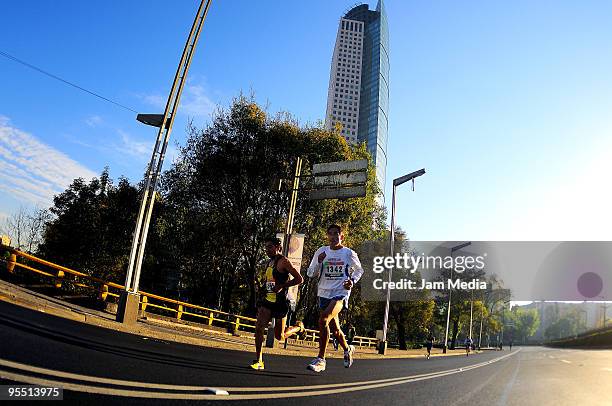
(227, 295)
(401, 335)
(454, 335)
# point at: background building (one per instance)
(358, 95)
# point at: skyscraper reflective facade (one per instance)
(358, 95)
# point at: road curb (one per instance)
(168, 331)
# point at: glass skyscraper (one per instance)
(358, 95)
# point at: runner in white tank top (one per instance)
(338, 269)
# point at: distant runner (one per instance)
(350, 334)
(468, 346)
(275, 303)
(333, 265)
(429, 344)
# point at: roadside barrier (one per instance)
(179, 309)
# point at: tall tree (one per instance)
(25, 227)
(221, 204)
(91, 227)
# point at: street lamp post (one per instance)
(127, 311)
(480, 333)
(471, 311)
(382, 349)
(450, 292)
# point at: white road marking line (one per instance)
(503, 400)
(566, 361)
(95, 379)
(607, 369)
(293, 391)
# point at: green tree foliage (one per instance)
(524, 323)
(91, 227)
(568, 325)
(213, 211)
(221, 206)
(461, 303)
(410, 313)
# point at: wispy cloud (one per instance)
(155, 100)
(31, 171)
(93, 121)
(133, 147)
(195, 101)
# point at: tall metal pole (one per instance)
(503, 323)
(391, 249)
(471, 311)
(382, 349)
(480, 334)
(450, 293)
(270, 338)
(292, 204)
(157, 158)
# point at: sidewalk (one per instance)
(160, 328)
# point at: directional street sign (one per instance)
(342, 166)
(339, 180)
(344, 193)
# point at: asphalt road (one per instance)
(96, 365)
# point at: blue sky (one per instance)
(506, 104)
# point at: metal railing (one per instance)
(177, 308)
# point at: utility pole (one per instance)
(270, 338)
(129, 298)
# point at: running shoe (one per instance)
(317, 365)
(348, 356)
(257, 365)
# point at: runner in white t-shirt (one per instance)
(338, 269)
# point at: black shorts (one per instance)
(278, 309)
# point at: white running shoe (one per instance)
(348, 356)
(317, 365)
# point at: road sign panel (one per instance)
(337, 193)
(342, 179)
(342, 166)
